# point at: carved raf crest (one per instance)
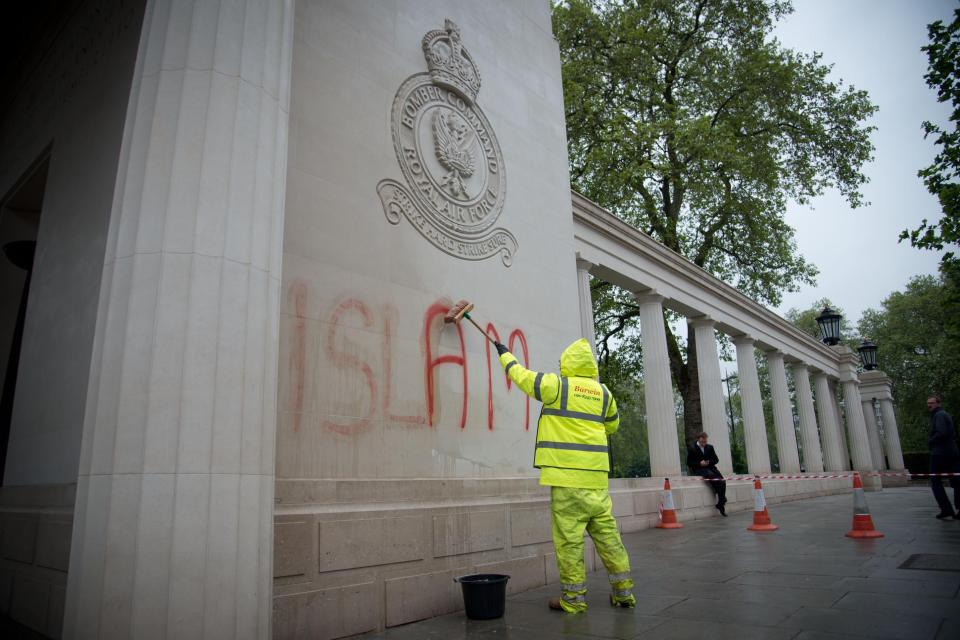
(450, 158)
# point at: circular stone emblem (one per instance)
(449, 156)
(451, 162)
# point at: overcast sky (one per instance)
(873, 45)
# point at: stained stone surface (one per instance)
(715, 579)
(933, 562)
(372, 384)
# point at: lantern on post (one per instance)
(829, 323)
(868, 355)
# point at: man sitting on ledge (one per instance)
(702, 460)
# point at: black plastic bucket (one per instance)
(484, 595)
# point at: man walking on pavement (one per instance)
(702, 461)
(571, 452)
(944, 458)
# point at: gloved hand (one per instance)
(501, 349)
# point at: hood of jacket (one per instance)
(577, 360)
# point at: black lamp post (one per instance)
(868, 355)
(829, 323)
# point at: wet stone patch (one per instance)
(932, 562)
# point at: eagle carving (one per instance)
(453, 141)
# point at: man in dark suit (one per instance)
(944, 458)
(702, 460)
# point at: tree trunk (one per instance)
(692, 415)
(687, 381)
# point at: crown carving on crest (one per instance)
(449, 64)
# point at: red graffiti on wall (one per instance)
(516, 336)
(377, 377)
(345, 360)
(438, 310)
(387, 373)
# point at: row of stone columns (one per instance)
(824, 448)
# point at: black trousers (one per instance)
(716, 482)
(944, 464)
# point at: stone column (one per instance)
(754, 429)
(658, 388)
(842, 428)
(876, 385)
(712, 407)
(873, 434)
(833, 459)
(173, 527)
(783, 415)
(586, 302)
(891, 434)
(856, 427)
(809, 438)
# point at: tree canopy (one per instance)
(943, 56)
(919, 348)
(690, 121)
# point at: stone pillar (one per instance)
(873, 434)
(842, 432)
(856, 427)
(876, 385)
(891, 434)
(658, 388)
(809, 438)
(754, 428)
(586, 302)
(173, 527)
(833, 459)
(712, 407)
(782, 414)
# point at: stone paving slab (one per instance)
(876, 624)
(714, 579)
(924, 605)
(697, 630)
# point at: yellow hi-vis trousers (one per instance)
(574, 510)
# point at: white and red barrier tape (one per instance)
(908, 474)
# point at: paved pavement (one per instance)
(713, 579)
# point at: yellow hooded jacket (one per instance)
(577, 416)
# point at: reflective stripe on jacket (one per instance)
(578, 412)
(571, 433)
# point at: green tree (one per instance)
(691, 122)
(630, 453)
(943, 57)
(919, 352)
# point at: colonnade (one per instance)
(830, 439)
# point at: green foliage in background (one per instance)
(691, 122)
(629, 445)
(918, 346)
(943, 57)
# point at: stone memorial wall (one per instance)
(427, 163)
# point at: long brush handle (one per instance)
(485, 334)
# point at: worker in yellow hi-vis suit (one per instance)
(578, 414)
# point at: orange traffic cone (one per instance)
(668, 513)
(761, 519)
(862, 522)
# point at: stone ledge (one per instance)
(293, 492)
